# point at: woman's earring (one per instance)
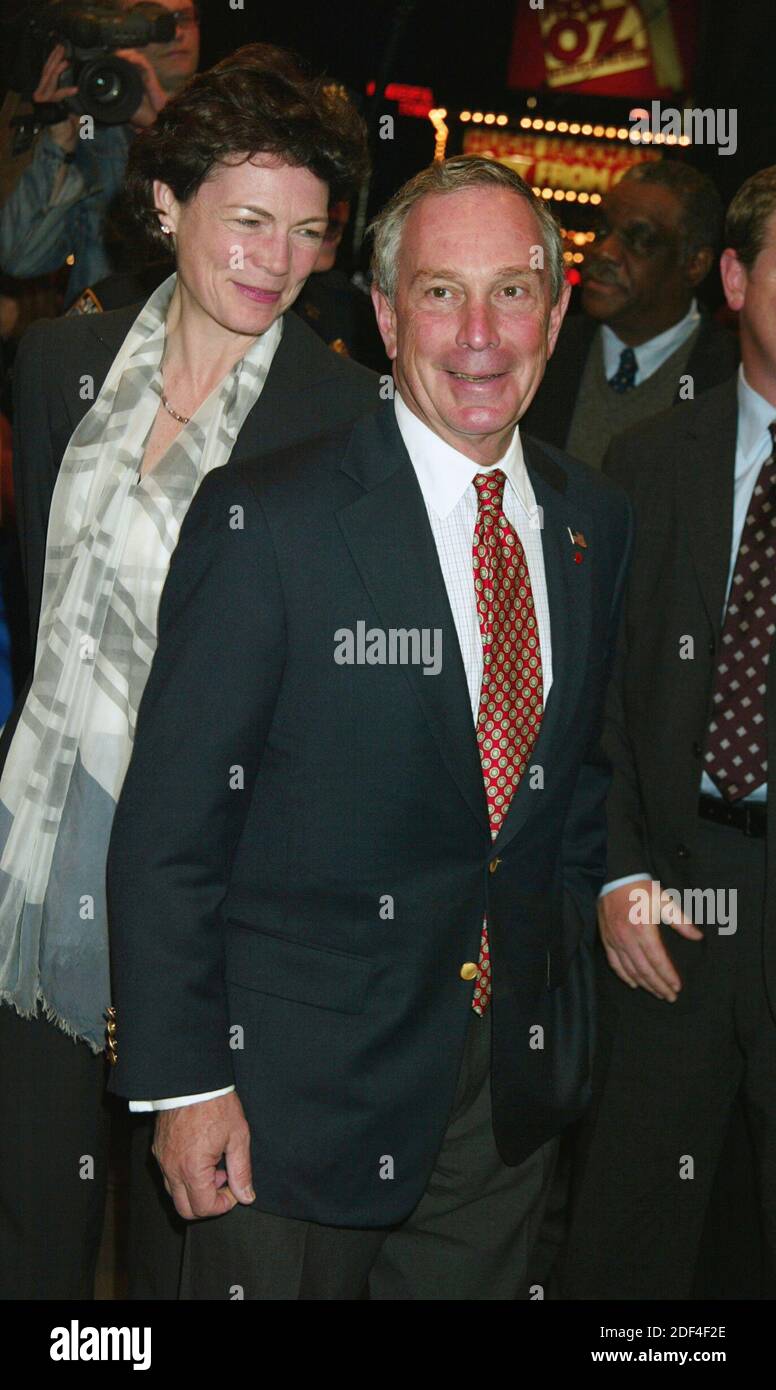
(167, 230)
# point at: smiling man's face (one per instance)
(472, 324)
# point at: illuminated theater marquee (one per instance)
(585, 166)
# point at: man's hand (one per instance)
(64, 133)
(189, 1142)
(634, 948)
(155, 96)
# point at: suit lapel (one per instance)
(389, 537)
(107, 333)
(550, 414)
(704, 484)
(399, 566)
(569, 598)
(301, 362)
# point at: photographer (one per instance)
(57, 205)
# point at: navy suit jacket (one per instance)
(301, 856)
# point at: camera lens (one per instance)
(110, 89)
(105, 87)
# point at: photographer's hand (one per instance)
(64, 133)
(155, 96)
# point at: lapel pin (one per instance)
(578, 539)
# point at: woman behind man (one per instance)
(235, 178)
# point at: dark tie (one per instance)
(624, 378)
(510, 710)
(736, 746)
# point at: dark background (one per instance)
(460, 49)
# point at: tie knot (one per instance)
(490, 490)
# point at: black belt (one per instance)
(749, 816)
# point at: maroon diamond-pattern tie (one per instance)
(736, 754)
(510, 710)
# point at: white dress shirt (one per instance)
(652, 354)
(446, 477)
(753, 446)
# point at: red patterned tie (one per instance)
(737, 745)
(510, 712)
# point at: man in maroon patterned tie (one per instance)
(687, 1035)
(394, 912)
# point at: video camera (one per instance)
(110, 89)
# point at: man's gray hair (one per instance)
(451, 176)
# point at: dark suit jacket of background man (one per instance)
(549, 417)
(308, 390)
(678, 470)
(262, 907)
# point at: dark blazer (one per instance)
(678, 470)
(62, 363)
(302, 848)
(549, 417)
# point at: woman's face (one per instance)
(248, 239)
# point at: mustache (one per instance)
(599, 270)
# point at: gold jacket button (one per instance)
(493, 865)
(468, 970)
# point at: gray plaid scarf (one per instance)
(109, 544)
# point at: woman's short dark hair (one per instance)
(259, 100)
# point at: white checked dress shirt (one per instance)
(446, 477)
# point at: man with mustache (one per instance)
(642, 344)
(353, 899)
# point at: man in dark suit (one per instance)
(689, 991)
(60, 369)
(353, 874)
(642, 344)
